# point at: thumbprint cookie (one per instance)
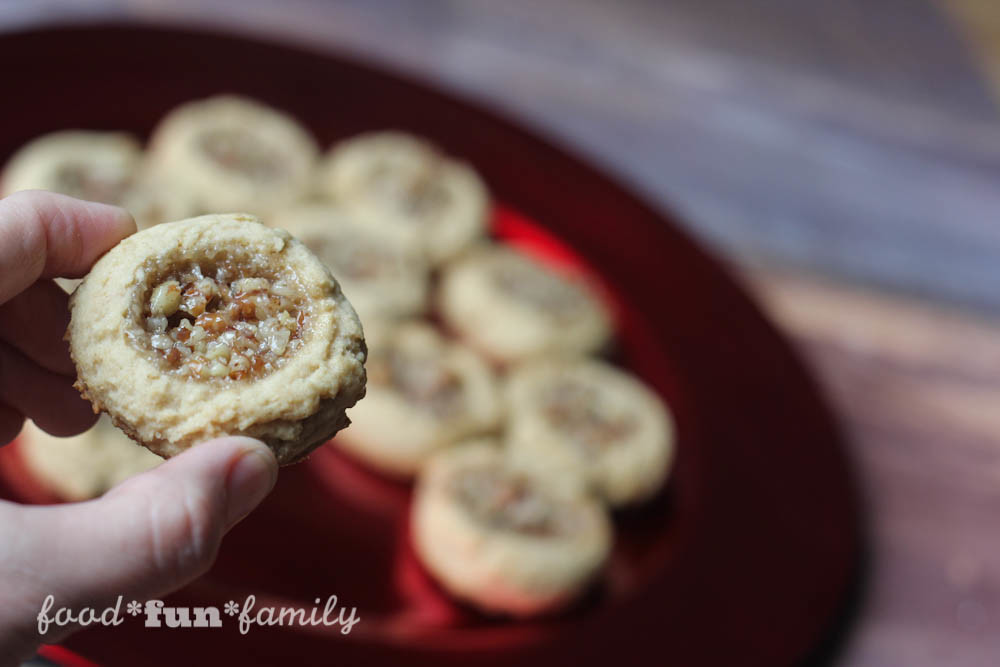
(424, 393)
(385, 277)
(593, 420)
(106, 167)
(404, 183)
(511, 306)
(230, 153)
(213, 326)
(507, 540)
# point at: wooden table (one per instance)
(844, 155)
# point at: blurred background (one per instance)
(842, 155)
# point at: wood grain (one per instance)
(918, 389)
(854, 137)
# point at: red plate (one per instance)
(748, 556)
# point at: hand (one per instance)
(151, 534)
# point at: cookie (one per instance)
(404, 183)
(216, 326)
(86, 465)
(511, 306)
(424, 393)
(107, 167)
(588, 418)
(233, 154)
(385, 277)
(506, 540)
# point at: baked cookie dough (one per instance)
(588, 418)
(424, 393)
(86, 465)
(506, 540)
(404, 183)
(233, 154)
(106, 167)
(216, 326)
(385, 277)
(511, 306)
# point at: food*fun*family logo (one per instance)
(157, 615)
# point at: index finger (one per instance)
(45, 235)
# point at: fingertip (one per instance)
(251, 478)
(121, 222)
(243, 468)
(227, 449)
(52, 235)
(244, 443)
(93, 226)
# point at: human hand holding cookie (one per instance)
(149, 535)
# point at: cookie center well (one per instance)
(504, 500)
(577, 410)
(212, 321)
(539, 289)
(414, 191)
(422, 379)
(242, 152)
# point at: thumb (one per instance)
(150, 535)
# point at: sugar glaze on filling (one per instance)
(210, 321)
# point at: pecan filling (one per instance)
(506, 501)
(242, 152)
(577, 411)
(421, 379)
(222, 327)
(91, 183)
(414, 193)
(539, 289)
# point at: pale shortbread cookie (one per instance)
(402, 182)
(385, 277)
(216, 326)
(588, 418)
(233, 154)
(86, 465)
(424, 393)
(511, 306)
(507, 540)
(106, 167)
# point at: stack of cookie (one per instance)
(484, 380)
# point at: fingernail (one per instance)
(250, 480)
(125, 219)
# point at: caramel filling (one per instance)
(422, 379)
(506, 501)
(414, 193)
(212, 324)
(540, 290)
(577, 411)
